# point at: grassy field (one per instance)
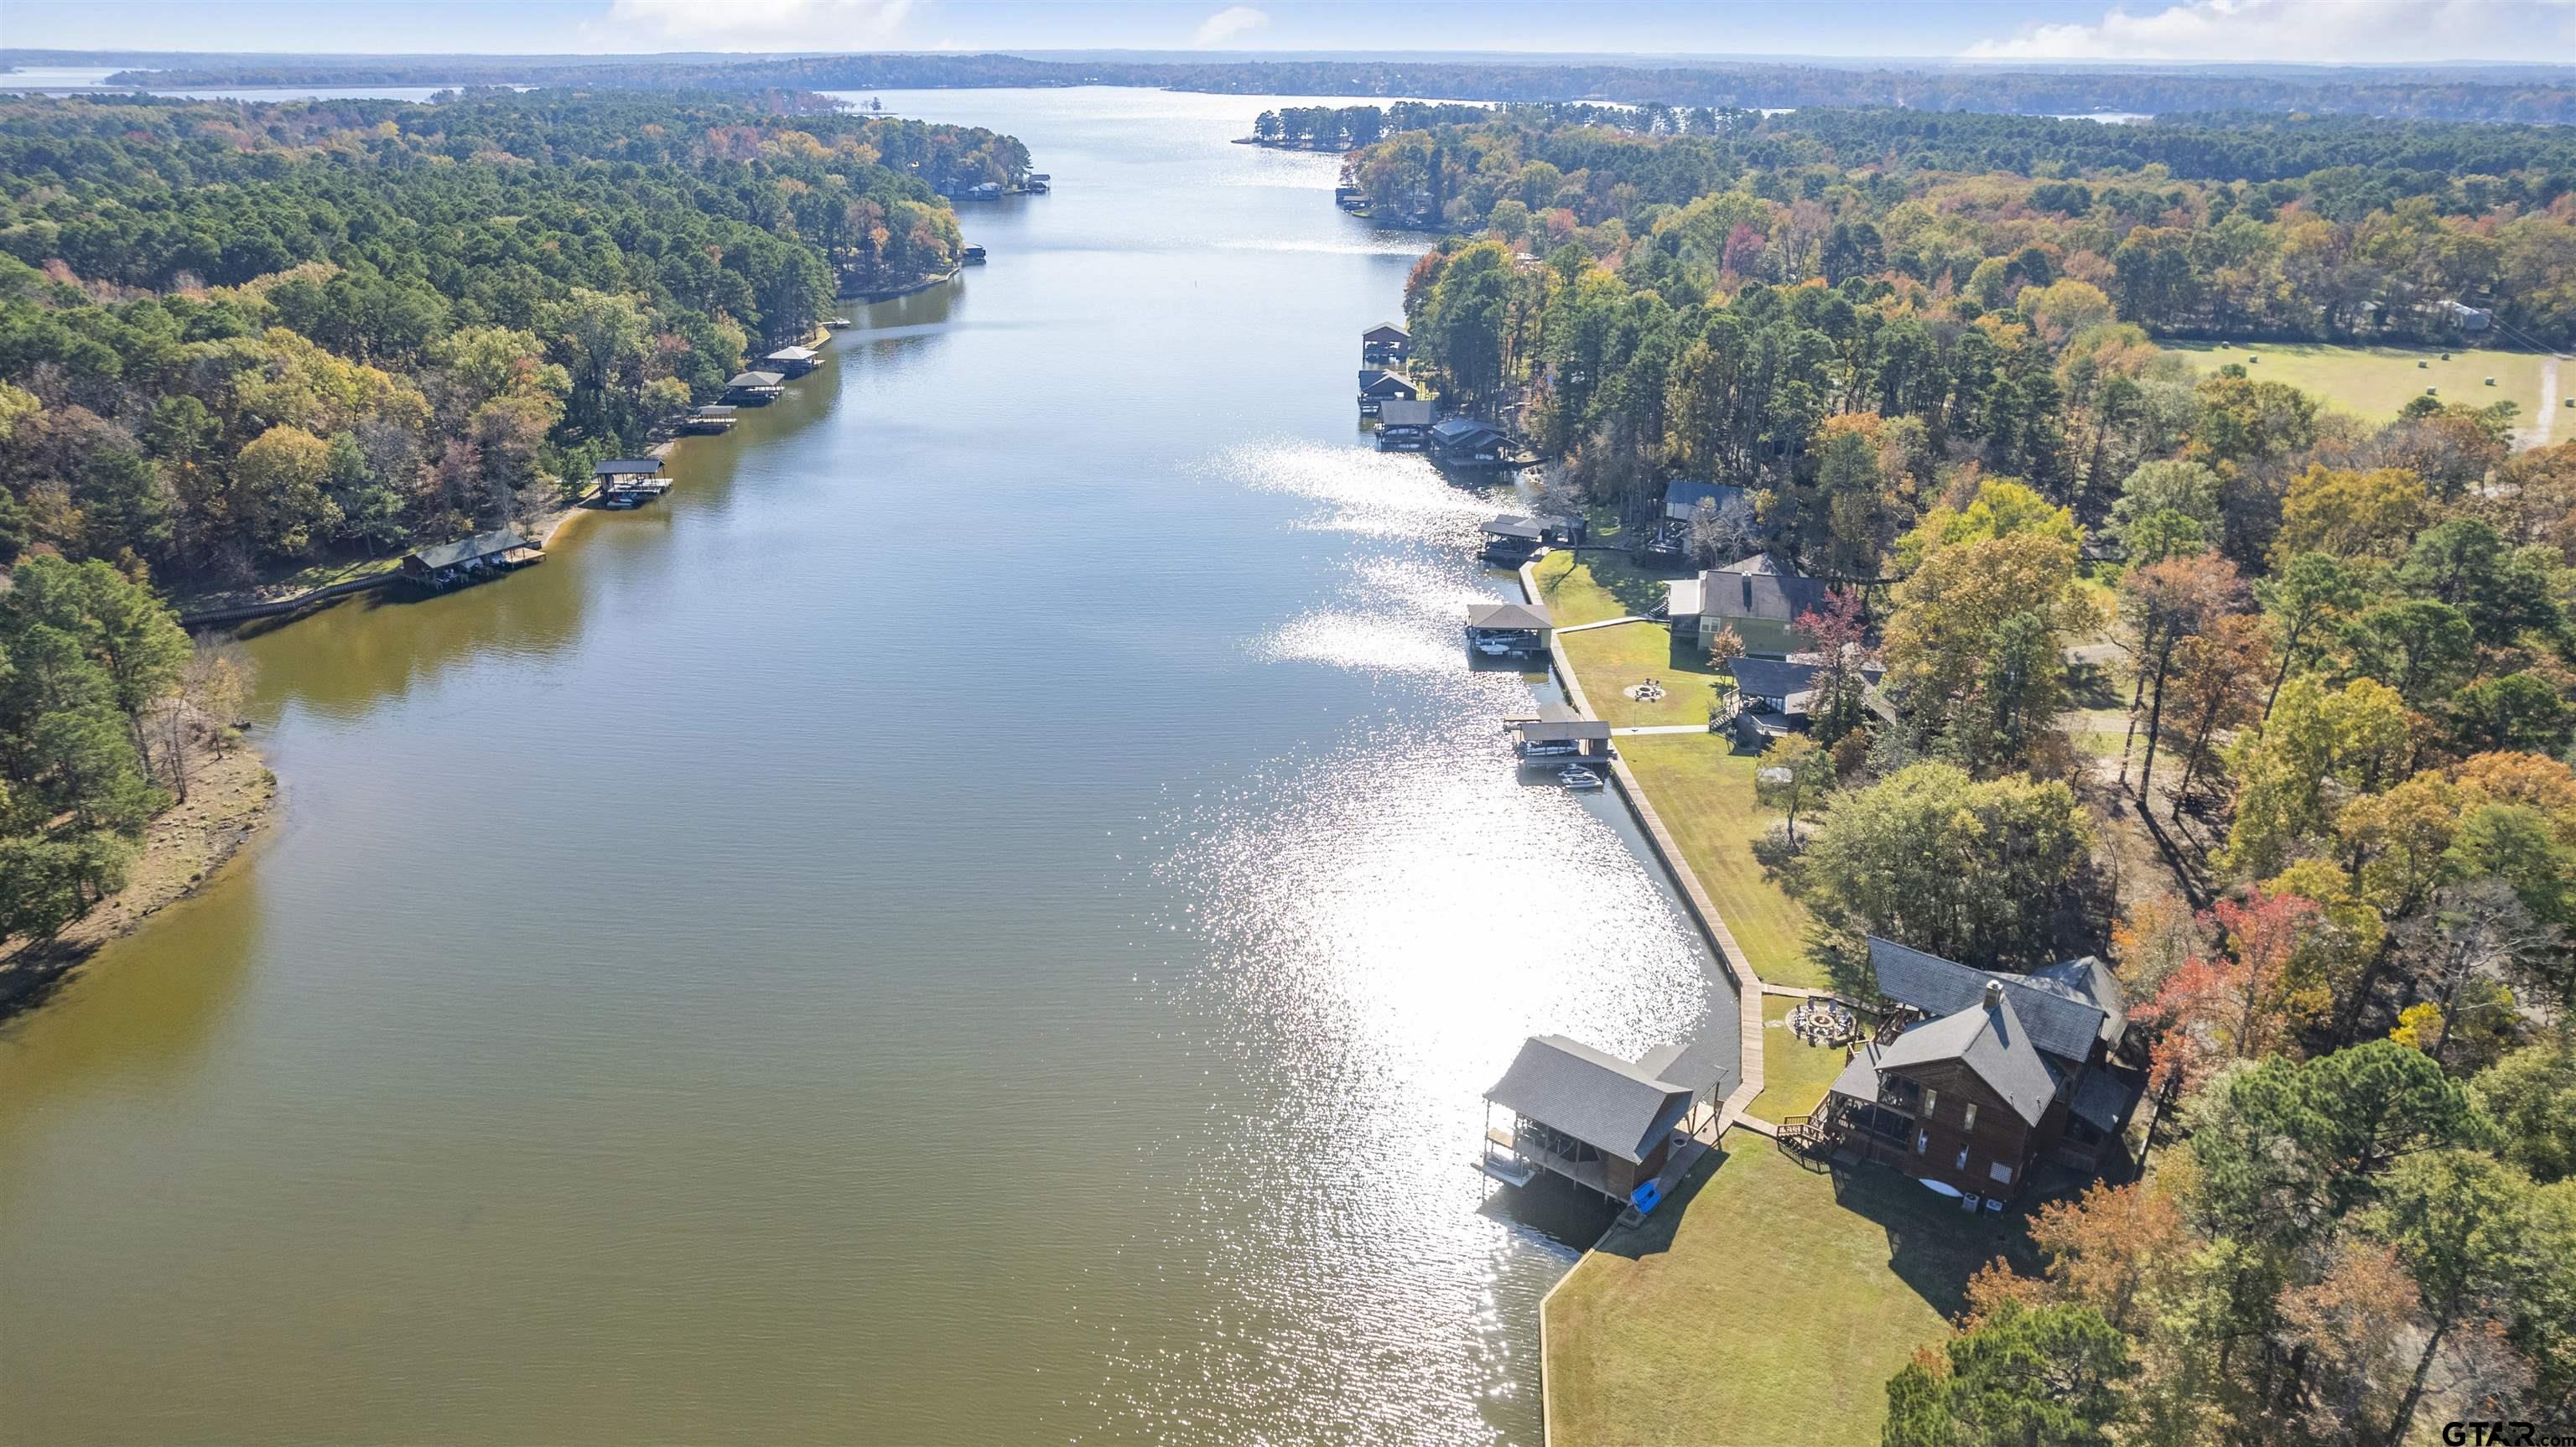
(1762, 1303)
(1795, 1074)
(1595, 584)
(1704, 791)
(1611, 660)
(2375, 382)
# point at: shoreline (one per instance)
(231, 801)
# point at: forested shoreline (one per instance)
(2484, 93)
(2268, 704)
(2326, 229)
(236, 339)
(239, 340)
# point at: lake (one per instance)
(983, 917)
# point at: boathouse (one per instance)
(1385, 342)
(1511, 538)
(1378, 386)
(755, 389)
(630, 481)
(1760, 597)
(481, 556)
(1604, 1123)
(1404, 426)
(1558, 735)
(713, 417)
(1466, 442)
(792, 361)
(1977, 1078)
(1500, 630)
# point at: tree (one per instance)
(2166, 603)
(1977, 640)
(2284, 1151)
(1838, 634)
(2317, 743)
(2350, 514)
(2214, 1011)
(278, 486)
(1796, 776)
(2050, 1376)
(2304, 598)
(2531, 1095)
(2217, 678)
(2184, 490)
(1959, 867)
(2462, 1228)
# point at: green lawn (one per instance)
(2376, 381)
(1795, 1074)
(1597, 583)
(285, 585)
(1612, 660)
(1763, 1303)
(1704, 792)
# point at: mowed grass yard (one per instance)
(1703, 789)
(1763, 1303)
(1795, 1074)
(2374, 382)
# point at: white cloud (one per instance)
(767, 24)
(2305, 30)
(1226, 24)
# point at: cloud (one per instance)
(767, 24)
(1226, 24)
(2304, 30)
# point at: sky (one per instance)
(2415, 31)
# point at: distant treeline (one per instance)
(236, 338)
(1341, 128)
(2485, 94)
(2337, 228)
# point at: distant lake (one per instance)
(983, 918)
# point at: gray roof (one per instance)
(756, 379)
(1738, 592)
(1698, 1063)
(791, 354)
(1989, 1039)
(2060, 1024)
(627, 467)
(1387, 331)
(1378, 379)
(1682, 497)
(1774, 678)
(1549, 731)
(1597, 1098)
(2089, 980)
(1513, 525)
(1464, 429)
(1859, 1079)
(1508, 615)
(715, 409)
(1406, 412)
(481, 545)
(2106, 1098)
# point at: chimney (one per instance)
(1994, 994)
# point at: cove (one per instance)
(983, 917)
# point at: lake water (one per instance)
(984, 917)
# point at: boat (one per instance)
(1577, 777)
(1494, 648)
(838, 323)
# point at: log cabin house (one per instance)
(1976, 1079)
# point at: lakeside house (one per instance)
(1670, 534)
(1608, 1125)
(1977, 1078)
(1467, 442)
(1773, 696)
(1385, 342)
(1760, 597)
(711, 418)
(1405, 426)
(1508, 630)
(755, 389)
(467, 560)
(1556, 735)
(792, 361)
(629, 481)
